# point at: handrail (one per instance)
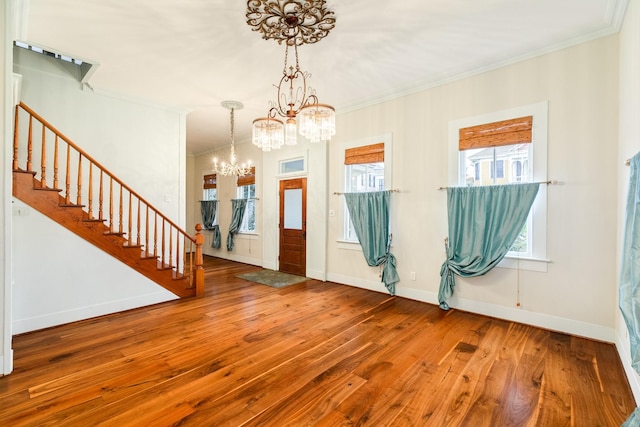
(94, 161)
(149, 223)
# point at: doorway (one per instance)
(293, 226)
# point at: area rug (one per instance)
(272, 278)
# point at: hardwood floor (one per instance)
(310, 354)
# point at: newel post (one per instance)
(199, 269)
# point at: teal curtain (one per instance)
(369, 214)
(208, 213)
(629, 292)
(237, 212)
(633, 420)
(483, 225)
(216, 238)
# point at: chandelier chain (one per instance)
(233, 167)
(232, 125)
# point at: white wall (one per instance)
(6, 356)
(628, 146)
(315, 156)
(577, 292)
(144, 145)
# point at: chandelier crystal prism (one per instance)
(233, 167)
(295, 23)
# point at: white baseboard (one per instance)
(514, 314)
(317, 274)
(624, 352)
(269, 265)
(6, 362)
(61, 317)
(231, 256)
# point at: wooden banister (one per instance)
(199, 269)
(172, 251)
(93, 161)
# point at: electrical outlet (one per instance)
(20, 210)
(413, 275)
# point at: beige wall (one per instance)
(628, 146)
(578, 290)
(247, 247)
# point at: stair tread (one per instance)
(57, 190)
(70, 205)
(131, 246)
(25, 171)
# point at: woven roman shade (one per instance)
(209, 181)
(248, 179)
(506, 132)
(373, 153)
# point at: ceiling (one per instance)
(194, 54)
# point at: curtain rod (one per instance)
(552, 182)
(340, 194)
(216, 200)
(627, 162)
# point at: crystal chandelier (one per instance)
(232, 168)
(296, 23)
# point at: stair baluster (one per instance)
(43, 160)
(55, 163)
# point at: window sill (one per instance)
(524, 263)
(349, 245)
(247, 235)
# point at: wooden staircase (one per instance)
(122, 223)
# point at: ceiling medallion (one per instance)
(294, 22)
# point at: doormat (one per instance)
(272, 278)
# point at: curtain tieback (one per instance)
(389, 273)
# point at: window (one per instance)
(364, 172)
(209, 187)
(210, 192)
(500, 148)
(246, 189)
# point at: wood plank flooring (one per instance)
(311, 354)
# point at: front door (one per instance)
(293, 226)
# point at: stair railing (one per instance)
(124, 211)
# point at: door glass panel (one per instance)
(293, 209)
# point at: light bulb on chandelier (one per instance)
(232, 168)
(296, 23)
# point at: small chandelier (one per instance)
(295, 23)
(232, 168)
